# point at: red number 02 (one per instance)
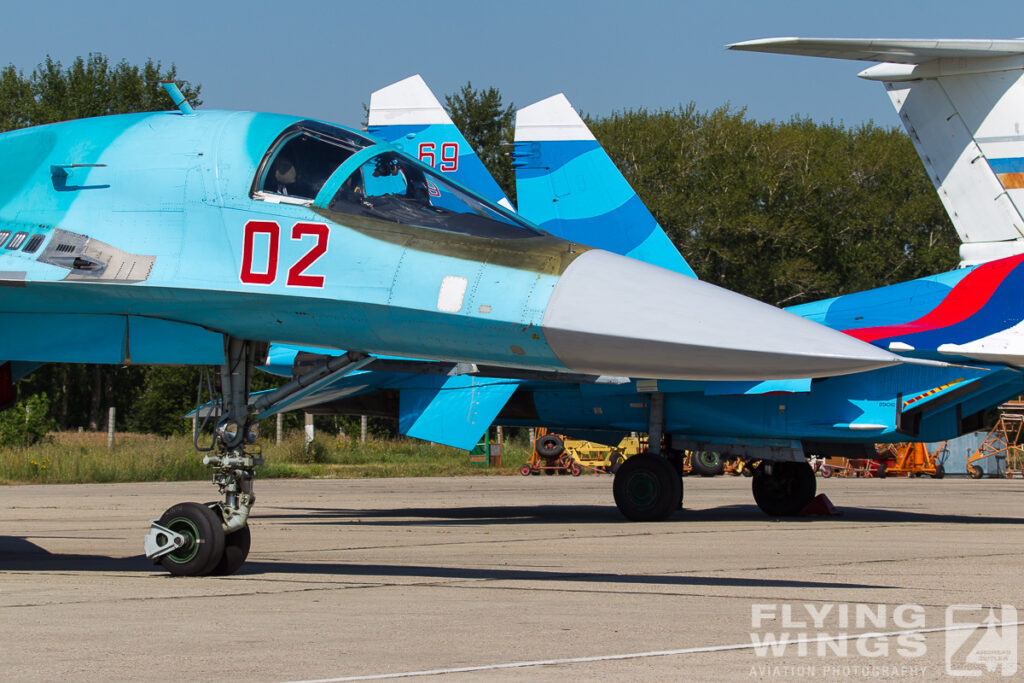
(297, 276)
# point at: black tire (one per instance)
(647, 489)
(883, 469)
(940, 472)
(707, 463)
(975, 471)
(785, 492)
(550, 446)
(205, 539)
(616, 462)
(748, 470)
(236, 547)
(236, 550)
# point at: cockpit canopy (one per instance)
(389, 186)
(304, 157)
(394, 188)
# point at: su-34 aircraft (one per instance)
(198, 237)
(569, 186)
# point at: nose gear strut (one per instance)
(191, 539)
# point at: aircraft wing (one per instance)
(900, 51)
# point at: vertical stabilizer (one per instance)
(962, 103)
(966, 129)
(408, 115)
(568, 185)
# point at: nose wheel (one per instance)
(193, 537)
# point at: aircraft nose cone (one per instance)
(611, 314)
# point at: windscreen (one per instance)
(305, 156)
(393, 188)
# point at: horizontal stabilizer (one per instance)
(408, 115)
(454, 411)
(899, 51)
(567, 184)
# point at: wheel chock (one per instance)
(821, 506)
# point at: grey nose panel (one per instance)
(609, 313)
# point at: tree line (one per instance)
(785, 212)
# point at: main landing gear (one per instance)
(783, 489)
(193, 539)
(648, 487)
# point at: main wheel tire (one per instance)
(647, 489)
(940, 472)
(975, 471)
(707, 463)
(204, 539)
(550, 446)
(786, 491)
(616, 462)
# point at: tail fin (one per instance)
(567, 184)
(408, 115)
(960, 101)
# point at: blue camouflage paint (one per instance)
(471, 172)
(573, 190)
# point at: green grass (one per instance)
(84, 458)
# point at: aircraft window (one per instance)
(33, 243)
(4, 234)
(393, 188)
(17, 240)
(305, 156)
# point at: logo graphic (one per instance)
(988, 648)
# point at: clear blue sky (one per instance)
(322, 59)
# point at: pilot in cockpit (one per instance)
(284, 176)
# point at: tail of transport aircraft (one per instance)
(408, 115)
(567, 184)
(962, 103)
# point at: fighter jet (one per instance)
(776, 423)
(197, 237)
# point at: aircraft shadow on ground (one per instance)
(19, 554)
(596, 515)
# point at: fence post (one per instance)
(362, 429)
(309, 431)
(280, 425)
(111, 414)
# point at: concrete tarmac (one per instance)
(519, 577)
